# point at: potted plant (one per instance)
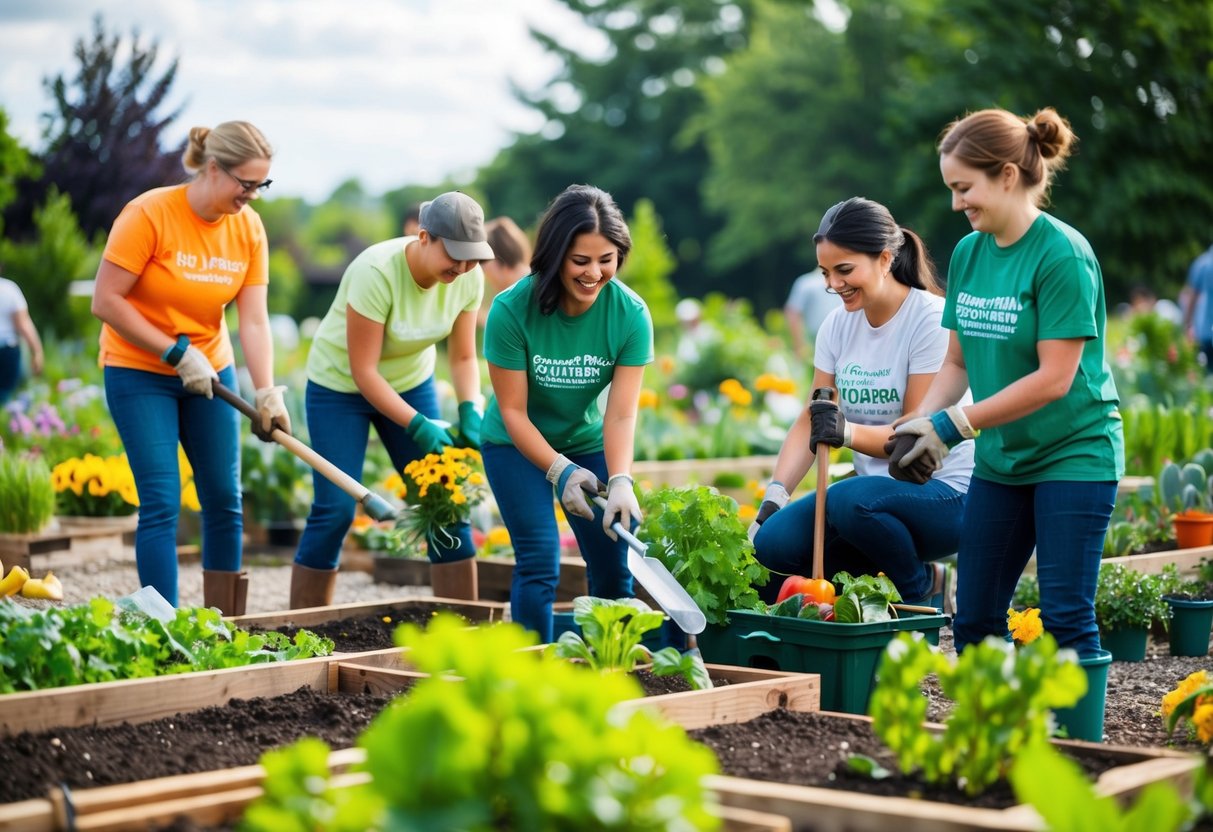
(27, 497)
(1190, 609)
(1186, 491)
(92, 491)
(1126, 603)
(439, 493)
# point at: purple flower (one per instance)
(678, 392)
(47, 421)
(21, 424)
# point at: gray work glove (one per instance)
(918, 471)
(773, 499)
(271, 412)
(621, 503)
(196, 373)
(578, 487)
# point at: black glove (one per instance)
(828, 426)
(918, 471)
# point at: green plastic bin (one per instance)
(844, 655)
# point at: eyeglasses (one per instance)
(248, 185)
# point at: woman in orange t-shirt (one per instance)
(175, 258)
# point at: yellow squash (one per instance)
(48, 588)
(17, 576)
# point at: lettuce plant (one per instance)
(1002, 695)
(610, 640)
(500, 737)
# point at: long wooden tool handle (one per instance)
(819, 517)
(327, 469)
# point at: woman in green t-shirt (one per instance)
(1025, 302)
(554, 341)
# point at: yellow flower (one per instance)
(1202, 718)
(497, 537)
(1025, 627)
(189, 497)
(1194, 682)
(771, 383)
(666, 364)
(648, 399)
(746, 513)
(736, 393)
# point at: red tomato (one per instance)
(818, 591)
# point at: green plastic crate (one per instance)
(844, 655)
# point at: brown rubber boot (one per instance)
(455, 580)
(226, 590)
(311, 587)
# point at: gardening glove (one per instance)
(937, 434)
(196, 373)
(469, 425)
(575, 485)
(271, 412)
(773, 499)
(429, 435)
(621, 503)
(828, 425)
(918, 471)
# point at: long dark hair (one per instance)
(867, 227)
(579, 209)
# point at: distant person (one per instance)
(175, 259)
(512, 248)
(696, 332)
(372, 364)
(1142, 300)
(412, 221)
(1197, 302)
(807, 306)
(15, 326)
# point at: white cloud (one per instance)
(392, 92)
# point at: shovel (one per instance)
(657, 580)
(375, 506)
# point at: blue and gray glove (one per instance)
(937, 435)
(574, 486)
(429, 435)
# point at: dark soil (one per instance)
(235, 734)
(655, 685)
(812, 749)
(360, 633)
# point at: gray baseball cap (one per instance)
(457, 220)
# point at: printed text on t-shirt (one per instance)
(211, 265)
(579, 371)
(981, 317)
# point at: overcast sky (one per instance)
(392, 92)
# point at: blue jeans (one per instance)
(525, 499)
(873, 524)
(153, 413)
(10, 371)
(339, 424)
(1065, 522)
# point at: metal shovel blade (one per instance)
(653, 575)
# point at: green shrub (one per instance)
(27, 497)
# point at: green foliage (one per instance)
(286, 282)
(1126, 599)
(696, 533)
(94, 642)
(863, 599)
(649, 264)
(513, 740)
(1157, 433)
(1027, 593)
(739, 350)
(16, 163)
(27, 497)
(1002, 695)
(277, 484)
(1057, 789)
(46, 265)
(1156, 363)
(610, 640)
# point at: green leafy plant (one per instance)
(1065, 798)
(864, 598)
(95, 642)
(514, 739)
(27, 497)
(1002, 697)
(610, 640)
(696, 533)
(1027, 593)
(277, 484)
(1126, 599)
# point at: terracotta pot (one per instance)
(1193, 529)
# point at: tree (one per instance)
(103, 134)
(616, 122)
(648, 267)
(16, 163)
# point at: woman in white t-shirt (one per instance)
(880, 351)
(15, 326)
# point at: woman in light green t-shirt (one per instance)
(554, 341)
(372, 363)
(1026, 305)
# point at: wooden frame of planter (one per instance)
(77, 542)
(477, 611)
(1186, 560)
(495, 575)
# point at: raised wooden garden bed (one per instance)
(478, 611)
(74, 542)
(1186, 560)
(496, 574)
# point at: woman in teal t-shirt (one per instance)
(1026, 305)
(554, 341)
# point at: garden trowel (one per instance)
(657, 580)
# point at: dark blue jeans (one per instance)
(526, 501)
(1065, 522)
(339, 425)
(153, 413)
(873, 524)
(10, 370)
